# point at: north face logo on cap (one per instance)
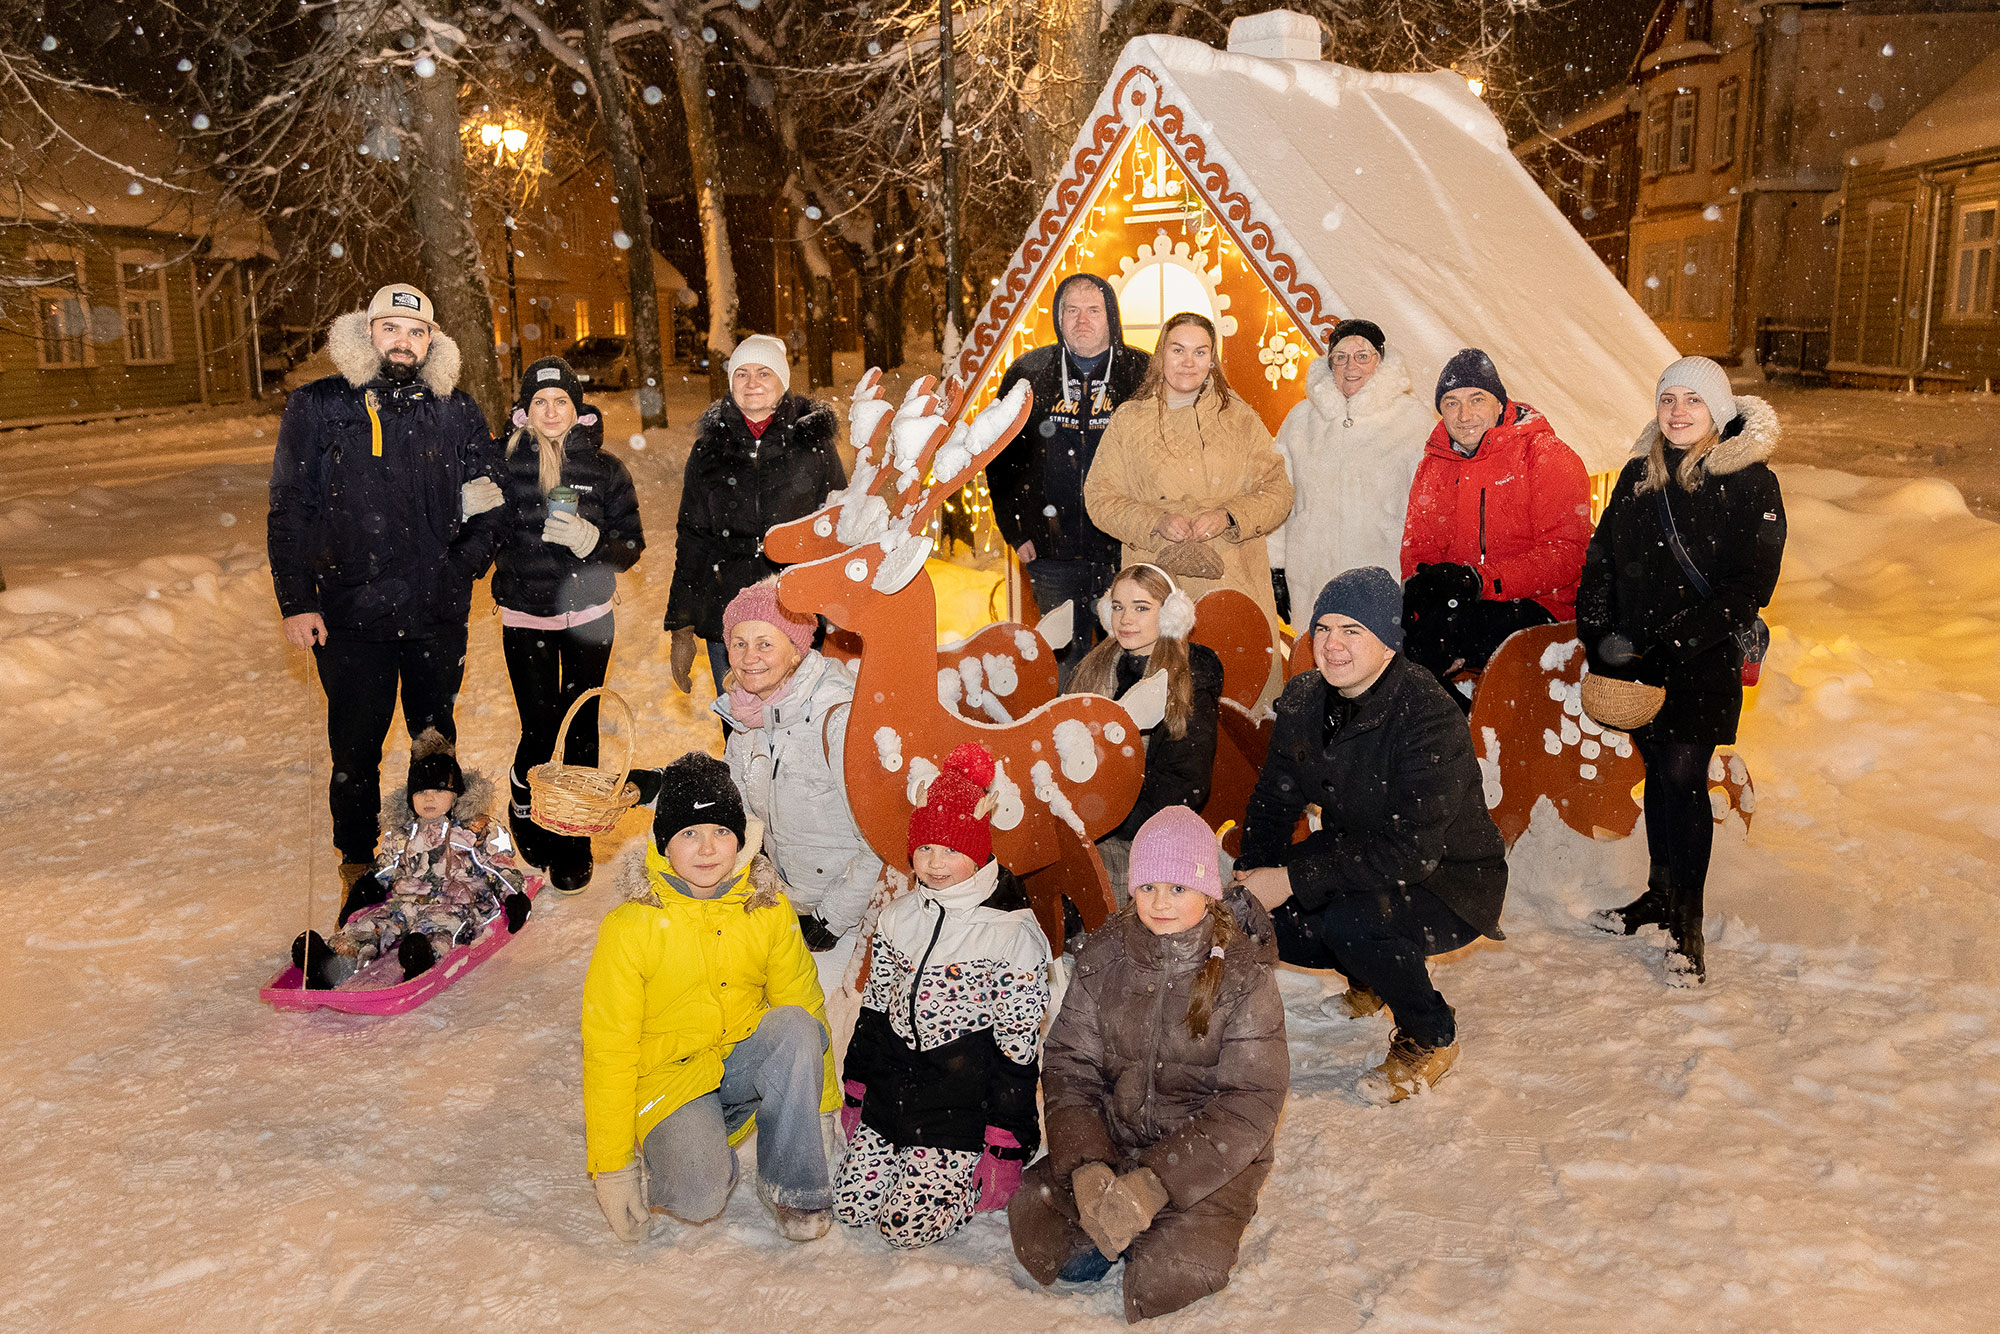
(549, 373)
(407, 300)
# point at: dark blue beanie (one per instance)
(1469, 368)
(1369, 595)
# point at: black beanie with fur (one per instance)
(434, 765)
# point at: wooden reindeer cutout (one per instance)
(1228, 622)
(1067, 772)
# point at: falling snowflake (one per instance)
(200, 122)
(336, 250)
(579, 87)
(425, 67)
(651, 97)
(621, 240)
(185, 65)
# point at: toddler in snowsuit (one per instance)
(446, 869)
(1160, 1110)
(940, 1075)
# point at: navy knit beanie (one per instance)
(1369, 595)
(696, 789)
(1469, 368)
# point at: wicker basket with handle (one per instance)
(577, 799)
(1620, 705)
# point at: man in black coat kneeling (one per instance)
(1406, 862)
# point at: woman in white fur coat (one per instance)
(1351, 449)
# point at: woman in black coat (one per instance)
(555, 577)
(762, 456)
(1642, 615)
(1147, 618)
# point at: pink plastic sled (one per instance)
(380, 989)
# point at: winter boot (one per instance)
(1411, 1068)
(530, 839)
(569, 864)
(517, 905)
(415, 954)
(1649, 909)
(1687, 965)
(795, 1224)
(1353, 1003)
(365, 890)
(327, 969)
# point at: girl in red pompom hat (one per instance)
(940, 1076)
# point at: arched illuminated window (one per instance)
(1161, 281)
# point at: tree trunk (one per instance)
(810, 248)
(454, 271)
(691, 76)
(628, 169)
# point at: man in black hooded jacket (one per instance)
(1037, 482)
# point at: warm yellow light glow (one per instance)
(1476, 84)
(515, 139)
(489, 135)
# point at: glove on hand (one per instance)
(819, 938)
(1127, 1209)
(850, 1110)
(1281, 593)
(680, 658)
(622, 1197)
(1090, 1183)
(517, 905)
(998, 1173)
(573, 531)
(478, 496)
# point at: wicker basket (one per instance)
(1620, 705)
(574, 799)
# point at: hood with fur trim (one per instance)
(354, 355)
(765, 883)
(477, 799)
(1751, 438)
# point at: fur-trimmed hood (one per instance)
(354, 355)
(477, 799)
(1390, 381)
(1754, 439)
(634, 886)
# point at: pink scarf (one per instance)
(748, 710)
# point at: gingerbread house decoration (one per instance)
(1278, 193)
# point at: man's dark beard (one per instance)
(399, 372)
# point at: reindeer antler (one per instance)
(954, 455)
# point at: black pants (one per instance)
(1382, 941)
(361, 678)
(548, 670)
(1443, 624)
(1680, 826)
(1082, 583)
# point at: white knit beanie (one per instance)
(764, 350)
(1705, 378)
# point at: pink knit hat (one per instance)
(1176, 847)
(759, 602)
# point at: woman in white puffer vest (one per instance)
(786, 708)
(1351, 449)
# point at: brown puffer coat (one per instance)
(1124, 1083)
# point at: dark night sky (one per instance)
(1579, 50)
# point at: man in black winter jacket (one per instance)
(1406, 863)
(380, 523)
(1037, 482)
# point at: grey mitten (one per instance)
(1127, 1209)
(622, 1197)
(478, 496)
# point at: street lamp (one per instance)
(504, 139)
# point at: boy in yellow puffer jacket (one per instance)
(702, 1008)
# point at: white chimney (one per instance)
(1278, 34)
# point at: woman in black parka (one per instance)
(555, 577)
(762, 456)
(1642, 616)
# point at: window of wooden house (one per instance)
(1614, 168)
(1656, 137)
(618, 318)
(62, 312)
(1701, 278)
(142, 302)
(1681, 147)
(1656, 281)
(1973, 262)
(1726, 99)
(1587, 190)
(582, 318)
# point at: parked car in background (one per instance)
(601, 360)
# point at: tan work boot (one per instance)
(1411, 1068)
(1353, 1003)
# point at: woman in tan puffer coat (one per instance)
(1162, 1080)
(1188, 479)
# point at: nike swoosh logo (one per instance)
(703, 805)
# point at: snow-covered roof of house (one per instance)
(1964, 118)
(107, 162)
(1389, 196)
(1619, 102)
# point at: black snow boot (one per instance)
(531, 841)
(1649, 909)
(569, 865)
(517, 905)
(1687, 965)
(324, 971)
(415, 954)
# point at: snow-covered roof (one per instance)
(1964, 118)
(115, 163)
(1620, 102)
(1389, 196)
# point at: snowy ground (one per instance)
(1809, 1143)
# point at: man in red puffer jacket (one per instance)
(1499, 518)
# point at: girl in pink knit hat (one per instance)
(940, 1076)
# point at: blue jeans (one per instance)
(776, 1074)
(1081, 582)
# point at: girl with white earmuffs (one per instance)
(1148, 618)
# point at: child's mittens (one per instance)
(998, 1174)
(1089, 1184)
(850, 1110)
(622, 1197)
(1128, 1209)
(517, 905)
(416, 954)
